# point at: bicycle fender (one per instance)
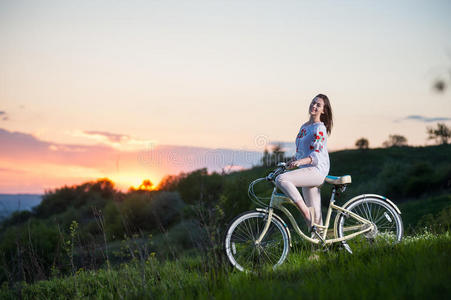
(373, 196)
(278, 219)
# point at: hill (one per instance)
(94, 226)
(10, 203)
(417, 268)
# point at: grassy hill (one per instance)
(78, 230)
(417, 268)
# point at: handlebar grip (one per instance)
(274, 174)
(270, 176)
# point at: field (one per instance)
(417, 268)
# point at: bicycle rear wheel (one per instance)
(388, 227)
(242, 251)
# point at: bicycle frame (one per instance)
(278, 199)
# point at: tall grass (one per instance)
(419, 267)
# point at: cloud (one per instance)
(232, 168)
(121, 142)
(423, 119)
(26, 148)
(4, 115)
(112, 137)
(65, 148)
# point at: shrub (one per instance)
(147, 211)
(29, 251)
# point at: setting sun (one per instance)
(126, 181)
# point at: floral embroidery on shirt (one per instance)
(302, 133)
(317, 142)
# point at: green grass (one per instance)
(413, 210)
(419, 268)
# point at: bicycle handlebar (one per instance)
(281, 167)
(261, 200)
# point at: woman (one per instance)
(312, 160)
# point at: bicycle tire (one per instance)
(388, 223)
(240, 247)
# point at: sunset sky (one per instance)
(134, 90)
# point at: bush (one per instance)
(147, 211)
(17, 217)
(199, 186)
(90, 193)
(440, 222)
(28, 251)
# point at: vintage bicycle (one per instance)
(259, 238)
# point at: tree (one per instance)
(362, 143)
(170, 182)
(266, 158)
(278, 153)
(441, 134)
(395, 140)
(146, 185)
(92, 193)
(271, 159)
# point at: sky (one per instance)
(89, 88)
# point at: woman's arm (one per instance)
(318, 143)
(302, 161)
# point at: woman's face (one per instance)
(316, 107)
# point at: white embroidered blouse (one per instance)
(312, 141)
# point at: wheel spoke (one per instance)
(366, 212)
(244, 233)
(380, 218)
(245, 230)
(239, 238)
(369, 212)
(248, 228)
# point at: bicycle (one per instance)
(261, 237)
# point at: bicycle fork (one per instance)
(265, 229)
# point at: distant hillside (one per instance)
(400, 173)
(10, 203)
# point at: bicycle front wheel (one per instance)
(240, 242)
(386, 221)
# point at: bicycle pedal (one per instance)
(314, 230)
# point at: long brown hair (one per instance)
(326, 117)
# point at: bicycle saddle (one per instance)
(345, 179)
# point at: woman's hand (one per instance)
(296, 163)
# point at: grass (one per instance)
(413, 210)
(419, 267)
